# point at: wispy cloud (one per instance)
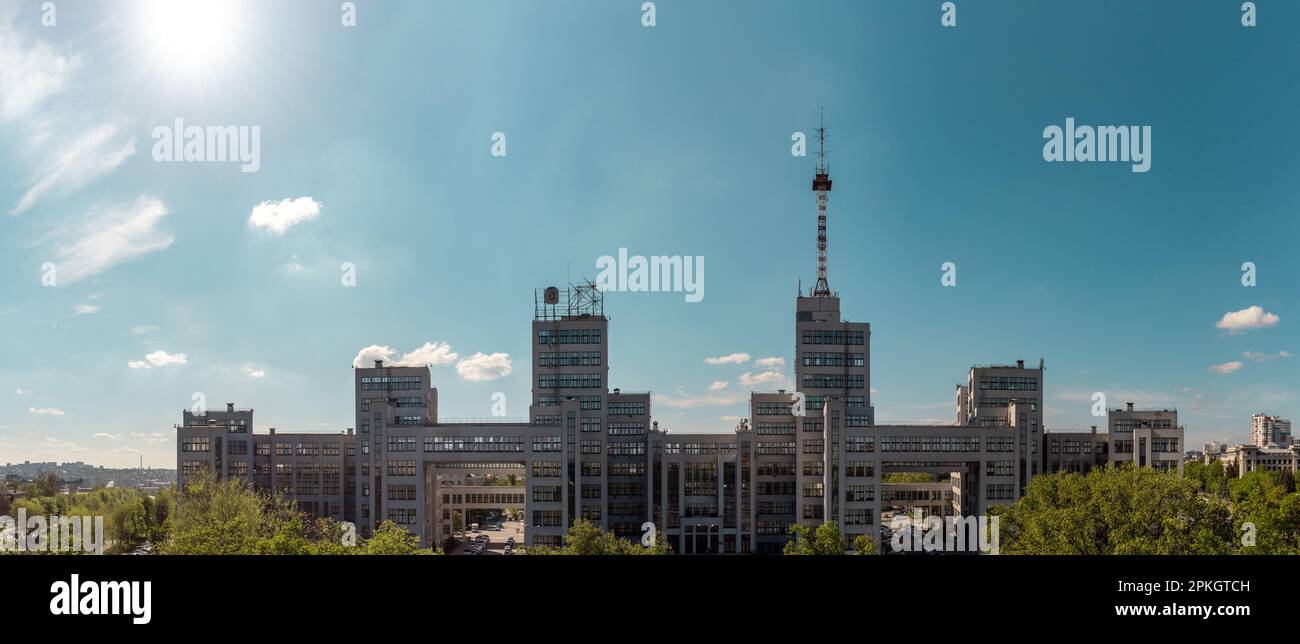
(46, 411)
(1258, 356)
(29, 71)
(682, 400)
(764, 378)
(77, 162)
(770, 363)
(1226, 368)
(731, 358)
(159, 358)
(110, 236)
(718, 385)
(85, 309)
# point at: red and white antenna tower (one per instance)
(822, 186)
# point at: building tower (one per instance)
(821, 185)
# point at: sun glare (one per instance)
(189, 36)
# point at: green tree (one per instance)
(824, 540)
(864, 545)
(1125, 510)
(584, 538)
(45, 484)
(392, 539)
(220, 518)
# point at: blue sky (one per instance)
(671, 140)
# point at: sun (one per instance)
(189, 36)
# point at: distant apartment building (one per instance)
(1142, 437)
(1270, 431)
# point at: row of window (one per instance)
(832, 337)
(568, 336)
(569, 381)
(569, 359)
(815, 359)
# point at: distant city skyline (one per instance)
(184, 278)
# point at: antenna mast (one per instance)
(821, 185)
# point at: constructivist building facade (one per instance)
(587, 451)
(807, 456)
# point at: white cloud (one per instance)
(277, 217)
(20, 391)
(765, 378)
(141, 329)
(62, 447)
(158, 358)
(1226, 368)
(108, 237)
(79, 161)
(106, 435)
(85, 309)
(255, 374)
(28, 74)
(1259, 356)
(770, 363)
(731, 419)
(367, 356)
(733, 358)
(46, 411)
(480, 367)
(718, 385)
(1248, 318)
(431, 354)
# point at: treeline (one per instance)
(1131, 510)
(132, 518)
(211, 517)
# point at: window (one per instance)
(401, 468)
(401, 492)
(859, 468)
(401, 443)
(546, 468)
(860, 493)
(194, 444)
